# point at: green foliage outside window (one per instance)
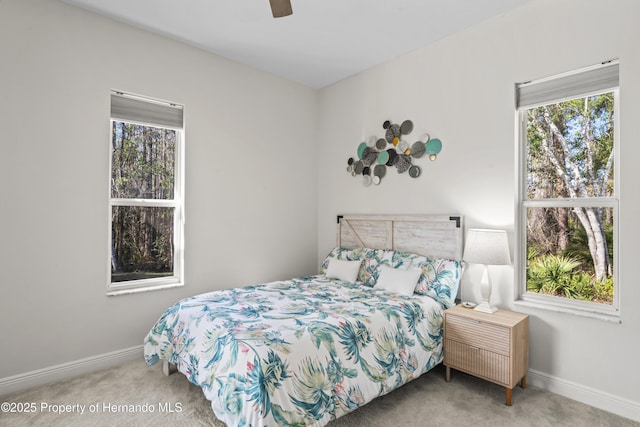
(142, 169)
(570, 156)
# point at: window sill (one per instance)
(115, 292)
(608, 315)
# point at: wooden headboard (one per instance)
(438, 236)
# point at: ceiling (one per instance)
(322, 42)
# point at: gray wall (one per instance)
(461, 89)
(266, 175)
(250, 178)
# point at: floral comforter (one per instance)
(297, 352)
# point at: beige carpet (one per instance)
(113, 394)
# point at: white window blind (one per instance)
(131, 109)
(583, 82)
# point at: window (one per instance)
(145, 201)
(567, 192)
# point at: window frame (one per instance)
(549, 302)
(177, 203)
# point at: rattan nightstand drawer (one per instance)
(478, 361)
(478, 334)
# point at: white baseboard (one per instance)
(50, 374)
(599, 399)
(596, 398)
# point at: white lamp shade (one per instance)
(488, 247)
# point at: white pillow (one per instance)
(343, 270)
(397, 280)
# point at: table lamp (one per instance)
(486, 247)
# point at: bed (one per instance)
(308, 350)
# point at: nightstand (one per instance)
(494, 347)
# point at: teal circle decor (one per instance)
(383, 157)
(376, 154)
(434, 146)
(361, 148)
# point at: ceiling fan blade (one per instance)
(281, 8)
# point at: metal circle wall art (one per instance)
(375, 155)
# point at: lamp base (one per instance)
(485, 307)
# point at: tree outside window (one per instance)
(145, 194)
(142, 168)
(567, 196)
